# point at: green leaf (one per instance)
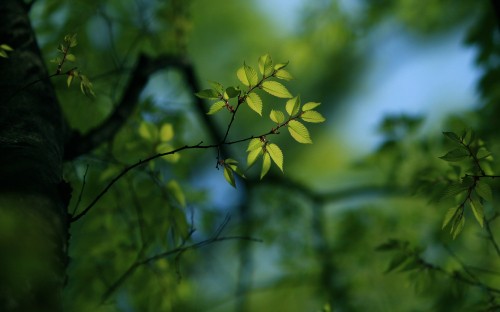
(293, 106)
(240, 73)
(219, 88)
(452, 136)
(453, 189)
(312, 116)
(71, 40)
(3, 54)
(232, 92)
(70, 57)
(458, 225)
(174, 189)
(6, 47)
(166, 132)
(237, 170)
(477, 209)
(217, 106)
(396, 261)
(266, 164)
(69, 80)
(482, 153)
(276, 155)
(266, 65)
(309, 106)
(148, 131)
(277, 116)
(280, 66)
(253, 155)
(165, 147)
(299, 132)
(229, 176)
(254, 143)
(86, 86)
(483, 189)
(283, 74)
(277, 89)
(449, 216)
(391, 244)
(457, 154)
(254, 102)
(208, 94)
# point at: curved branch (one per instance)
(79, 144)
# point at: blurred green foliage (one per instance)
(321, 223)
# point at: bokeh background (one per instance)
(391, 76)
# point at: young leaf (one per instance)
(254, 102)
(457, 154)
(280, 66)
(3, 54)
(217, 106)
(266, 164)
(207, 94)
(293, 105)
(277, 116)
(458, 225)
(312, 116)
(276, 155)
(86, 86)
(477, 209)
(283, 74)
(254, 143)
(164, 147)
(449, 216)
(253, 155)
(309, 106)
(6, 47)
(229, 176)
(277, 89)
(299, 132)
(266, 65)
(483, 189)
(70, 57)
(69, 80)
(148, 131)
(217, 87)
(240, 73)
(166, 132)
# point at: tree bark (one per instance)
(33, 196)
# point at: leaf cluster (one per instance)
(468, 155)
(4, 48)
(268, 77)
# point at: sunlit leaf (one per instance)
(477, 209)
(266, 65)
(283, 74)
(457, 154)
(293, 105)
(266, 164)
(148, 131)
(299, 132)
(253, 155)
(219, 88)
(175, 189)
(277, 89)
(277, 116)
(207, 94)
(69, 80)
(309, 106)
(86, 86)
(312, 116)
(483, 189)
(3, 54)
(254, 102)
(276, 154)
(166, 132)
(217, 106)
(70, 57)
(280, 66)
(240, 73)
(254, 143)
(229, 176)
(6, 47)
(165, 147)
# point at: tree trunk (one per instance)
(33, 196)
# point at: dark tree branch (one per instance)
(79, 144)
(216, 237)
